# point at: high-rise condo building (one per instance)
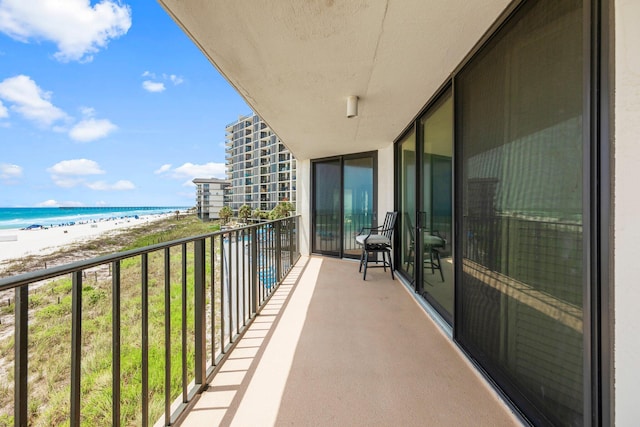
(261, 170)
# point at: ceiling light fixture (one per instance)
(352, 106)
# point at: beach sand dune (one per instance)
(16, 243)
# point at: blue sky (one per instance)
(106, 103)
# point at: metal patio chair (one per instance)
(375, 240)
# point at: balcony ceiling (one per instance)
(295, 63)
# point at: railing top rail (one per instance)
(12, 282)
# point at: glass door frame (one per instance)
(341, 159)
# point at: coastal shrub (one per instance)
(62, 287)
(91, 296)
(6, 420)
(36, 300)
(55, 310)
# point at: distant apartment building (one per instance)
(261, 170)
(210, 197)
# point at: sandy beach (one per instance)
(16, 243)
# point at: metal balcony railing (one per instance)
(220, 281)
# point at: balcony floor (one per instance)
(332, 349)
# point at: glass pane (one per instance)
(326, 213)
(520, 114)
(358, 201)
(407, 204)
(437, 191)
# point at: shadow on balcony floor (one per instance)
(332, 349)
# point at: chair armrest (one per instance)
(371, 229)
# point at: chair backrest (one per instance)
(389, 224)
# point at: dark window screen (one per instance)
(519, 106)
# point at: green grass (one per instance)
(50, 335)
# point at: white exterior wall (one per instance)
(627, 212)
(303, 204)
(385, 181)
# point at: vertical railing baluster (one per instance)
(222, 294)
(213, 301)
(237, 274)
(184, 323)
(145, 339)
(167, 336)
(278, 249)
(230, 287)
(290, 242)
(244, 279)
(200, 318)
(76, 346)
(21, 354)
(254, 270)
(258, 254)
(272, 257)
(115, 344)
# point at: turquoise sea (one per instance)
(25, 217)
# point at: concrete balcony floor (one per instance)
(330, 349)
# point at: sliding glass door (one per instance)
(344, 200)
(520, 309)
(436, 216)
(327, 207)
(425, 205)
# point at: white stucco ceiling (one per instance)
(295, 62)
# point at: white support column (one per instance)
(627, 207)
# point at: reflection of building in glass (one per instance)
(261, 170)
(210, 197)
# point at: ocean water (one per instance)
(24, 217)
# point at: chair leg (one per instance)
(361, 261)
(431, 261)
(391, 266)
(440, 265)
(366, 262)
(384, 262)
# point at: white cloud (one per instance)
(72, 173)
(87, 111)
(91, 129)
(29, 100)
(117, 186)
(155, 83)
(207, 170)
(176, 80)
(4, 113)
(150, 86)
(8, 171)
(51, 203)
(76, 167)
(162, 169)
(77, 28)
(188, 183)
(48, 203)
